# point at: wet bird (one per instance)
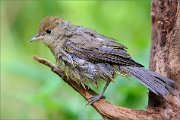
(86, 56)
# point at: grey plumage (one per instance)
(158, 84)
(86, 56)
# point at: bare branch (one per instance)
(103, 107)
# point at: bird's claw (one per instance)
(94, 98)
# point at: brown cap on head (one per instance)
(49, 23)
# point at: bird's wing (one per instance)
(99, 49)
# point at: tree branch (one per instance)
(103, 107)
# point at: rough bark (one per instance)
(165, 49)
(165, 59)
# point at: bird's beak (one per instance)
(35, 38)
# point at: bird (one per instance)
(86, 57)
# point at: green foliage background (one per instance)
(30, 90)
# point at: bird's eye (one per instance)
(48, 31)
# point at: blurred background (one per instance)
(30, 90)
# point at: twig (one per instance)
(103, 107)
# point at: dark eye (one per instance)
(48, 31)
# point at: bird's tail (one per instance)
(155, 82)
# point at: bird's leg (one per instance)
(97, 97)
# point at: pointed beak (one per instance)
(36, 38)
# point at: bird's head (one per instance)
(50, 30)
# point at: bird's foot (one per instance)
(94, 98)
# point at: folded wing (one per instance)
(99, 49)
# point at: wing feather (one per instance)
(99, 51)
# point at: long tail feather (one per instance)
(155, 82)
